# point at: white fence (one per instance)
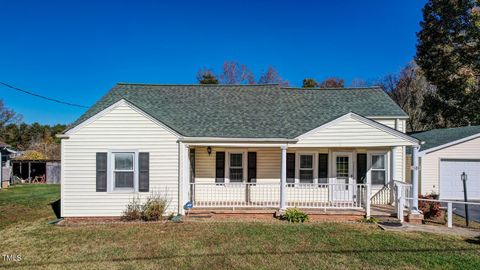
(268, 195)
(404, 199)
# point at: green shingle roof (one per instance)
(437, 137)
(246, 111)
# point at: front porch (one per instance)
(320, 180)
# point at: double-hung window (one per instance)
(124, 170)
(379, 169)
(306, 168)
(236, 167)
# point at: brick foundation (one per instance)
(415, 218)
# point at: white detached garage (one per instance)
(446, 154)
(451, 185)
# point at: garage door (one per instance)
(451, 186)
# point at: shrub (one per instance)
(430, 209)
(154, 208)
(133, 210)
(372, 220)
(295, 216)
(177, 219)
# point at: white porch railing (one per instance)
(235, 195)
(326, 195)
(402, 191)
(267, 195)
(383, 196)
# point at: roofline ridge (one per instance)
(179, 84)
(333, 88)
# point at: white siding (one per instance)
(430, 163)
(387, 122)
(350, 133)
(400, 125)
(121, 128)
(268, 163)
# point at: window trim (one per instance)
(111, 171)
(370, 155)
(312, 169)
(314, 166)
(244, 166)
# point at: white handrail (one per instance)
(444, 201)
(449, 207)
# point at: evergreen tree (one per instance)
(309, 83)
(448, 52)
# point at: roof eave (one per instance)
(236, 140)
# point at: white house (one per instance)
(445, 156)
(233, 146)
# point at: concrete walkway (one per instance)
(455, 231)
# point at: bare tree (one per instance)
(8, 116)
(356, 82)
(271, 76)
(235, 73)
(46, 146)
(332, 83)
(408, 89)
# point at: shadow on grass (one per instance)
(475, 240)
(213, 255)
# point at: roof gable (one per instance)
(366, 132)
(246, 111)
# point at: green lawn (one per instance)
(27, 203)
(216, 245)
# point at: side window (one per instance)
(379, 169)
(123, 170)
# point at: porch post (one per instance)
(415, 168)
(283, 179)
(393, 167)
(368, 201)
(185, 176)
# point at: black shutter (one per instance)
(143, 172)
(361, 168)
(101, 178)
(192, 165)
(290, 167)
(252, 167)
(323, 168)
(220, 167)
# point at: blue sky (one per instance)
(77, 50)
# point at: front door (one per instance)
(342, 181)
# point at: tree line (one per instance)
(37, 139)
(233, 72)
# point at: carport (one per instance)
(45, 171)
